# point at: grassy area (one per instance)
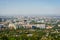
(37, 34)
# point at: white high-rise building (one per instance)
(40, 25)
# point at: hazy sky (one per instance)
(29, 7)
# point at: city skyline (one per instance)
(29, 7)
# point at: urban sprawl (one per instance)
(29, 28)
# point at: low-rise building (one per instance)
(58, 25)
(48, 27)
(2, 27)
